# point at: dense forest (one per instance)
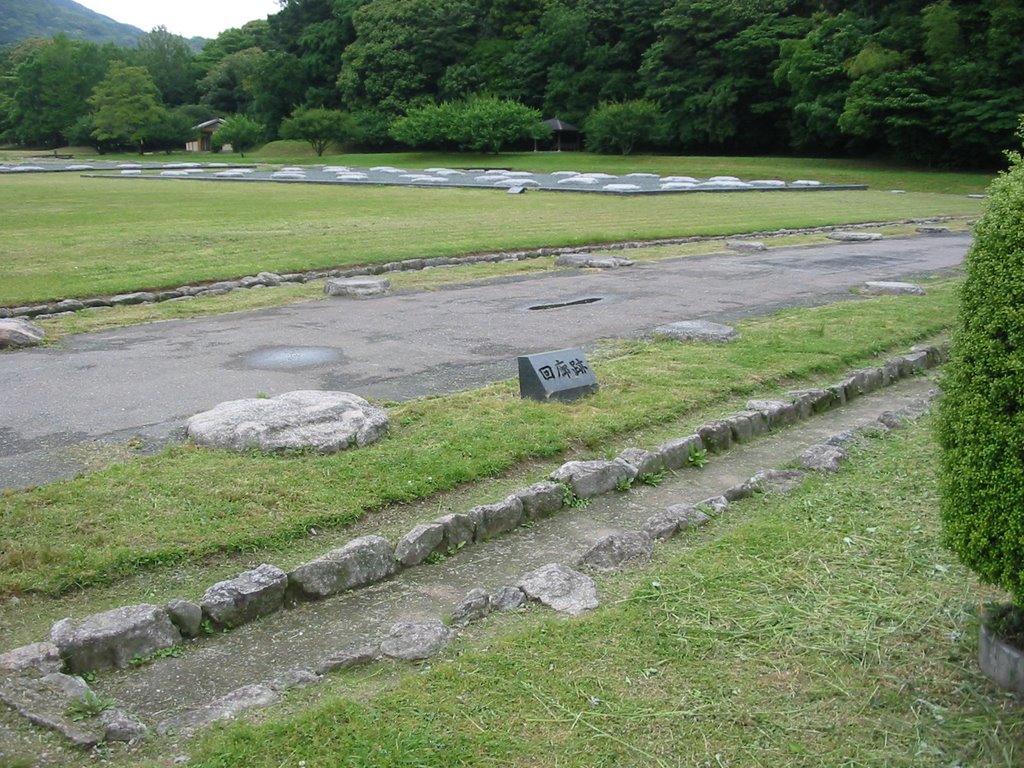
(940, 83)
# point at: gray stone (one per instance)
(347, 659)
(44, 702)
(223, 286)
(619, 548)
(508, 599)
(842, 438)
(458, 531)
(560, 588)
(225, 708)
(937, 353)
(42, 657)
(645, 462)
(740, 491)
(812, 401)
(932, 230)
(715, 504)
(293, 678)
(138, 297)
(326, 422)
(110, 640)
(186, 615)
(1002, 662)
(913, 362)
(419, 544)
(170, 295)
(716, 436)
(270, 278)
(490, 520)
(119, 725)
(592, 478)
(750, 246)
(38, 309)
(474, 607)
(676, 453)
(362, 561)
(589, 260)
(697, 330)
(884, 288)
(414, 641)
(673, 520)
(68, 305)
(357, 286)
(854, 237)
(823, 458)
(778, 413)
(237, 601)
(541, 499)
(17, 333)
(777, 480)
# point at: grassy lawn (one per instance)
(187, 503)
(825, 628)
(67, 236)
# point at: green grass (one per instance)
(67, 237)
(826, 628)
(190, 503)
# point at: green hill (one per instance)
(22, 19)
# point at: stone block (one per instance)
(474, 607)
(560, 588)
(17, 333)
(458, 531)
(885, 288)
(715, 435)
(541, 499)
(414, 641)
(186, 616)
(592, 478)
(110, 640)
(357, 286)
(645, 462)
(490, 520)
(619, 548)
(362, 561)
(246, 597)
(673, 520)
(778, 413)
(676, 453)
(419, 544)
(697, 330)
(41, 657)
(823, 458)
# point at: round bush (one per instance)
(981, 416)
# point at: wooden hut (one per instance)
(563, 135)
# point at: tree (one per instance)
(981, 413)
(320, 127)
(479, 124)
(240, 132)
(229, 87)
(170, 63)
(127, 106)
(621, 127)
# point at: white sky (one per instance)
(188, 18)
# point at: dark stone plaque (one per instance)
(563, 374)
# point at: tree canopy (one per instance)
(930, 81)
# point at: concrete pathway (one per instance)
(144, 381)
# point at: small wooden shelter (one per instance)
(204, 143)
(563, 135)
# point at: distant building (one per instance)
(563, 135)
(205, 141)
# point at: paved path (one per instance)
(146, 380)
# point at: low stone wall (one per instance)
(272, 279)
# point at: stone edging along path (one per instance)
(115, 638)
(272, 280)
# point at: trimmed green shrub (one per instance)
(622, 127)
(981, 416)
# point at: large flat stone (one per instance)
(414, 641)
(225, 708)
(560, 588)
(325, 422)
(17, 333)
(697, 330)
(357, 286)
(891, 288)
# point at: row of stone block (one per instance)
(114, 638)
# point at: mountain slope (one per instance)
(21, 19)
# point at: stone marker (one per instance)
(697, 330)
(326, 422)
(563, 374)
(884, 288)
(414, 641)
(16, 333)
(560, 588)
(357, 286)
(110, 640)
